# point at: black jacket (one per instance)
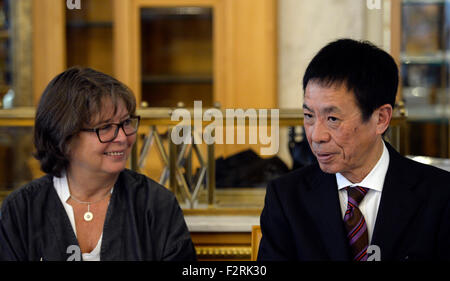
(143, 222)
(302, 219)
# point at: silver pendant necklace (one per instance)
(88, 216)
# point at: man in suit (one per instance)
(362, 200)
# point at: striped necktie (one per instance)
(355, 223)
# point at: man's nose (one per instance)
(319, 133)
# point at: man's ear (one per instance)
(383, 118)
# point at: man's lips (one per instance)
(324, 156)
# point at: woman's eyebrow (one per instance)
(125, 116)
(109, 120)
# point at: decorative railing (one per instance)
(177, 159)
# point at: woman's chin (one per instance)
(115, 169)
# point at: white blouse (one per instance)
(62, 188)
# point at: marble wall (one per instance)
(304, 27)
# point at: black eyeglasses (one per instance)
(108, 132)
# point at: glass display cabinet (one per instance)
(16, 164)
(5, 62)
(89, 35)
(177, 55)
(425, 59)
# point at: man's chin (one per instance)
(328, 168)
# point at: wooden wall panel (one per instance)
(49, 50)
(396, 37)
(123, 43)
(250, 54)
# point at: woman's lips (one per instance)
(115, 154)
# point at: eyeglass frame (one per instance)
(116, 133)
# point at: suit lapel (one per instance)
(399, 203)
(325, 207)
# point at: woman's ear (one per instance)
(383, 115)
(69, 144)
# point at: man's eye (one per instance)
(127, 122)
(332, 119)
(307, 115)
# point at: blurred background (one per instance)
(227, 54)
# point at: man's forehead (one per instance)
(314, 88)
(332, 98)
(325, 108)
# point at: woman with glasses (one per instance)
(89, 206)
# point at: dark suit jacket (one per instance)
(143, 222)
(302, 219)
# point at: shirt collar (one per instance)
(62, 187)
(374, 180)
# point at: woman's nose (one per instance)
(121, 137)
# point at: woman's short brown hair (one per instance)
(69, 103)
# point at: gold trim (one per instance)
(223, 211)
(221, 252)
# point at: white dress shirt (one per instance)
(374, 181)
(62, 188)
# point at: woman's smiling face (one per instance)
(88, 153)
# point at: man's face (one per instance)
(336, 133)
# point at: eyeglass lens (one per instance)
(110, 131)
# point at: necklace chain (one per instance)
(88, 216)
(89, 203)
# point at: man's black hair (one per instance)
(363, 68)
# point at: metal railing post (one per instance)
(211, 178)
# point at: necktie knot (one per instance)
(356, 194)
